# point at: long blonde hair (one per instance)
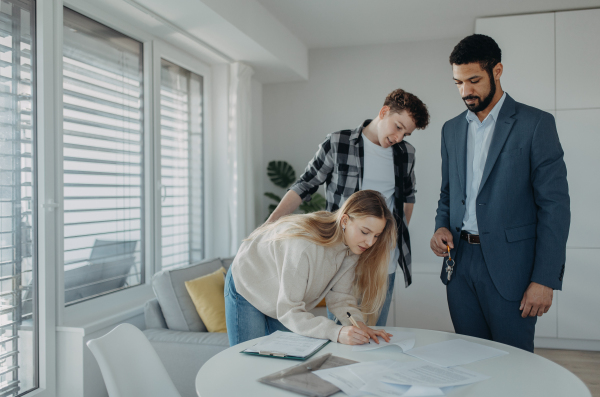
(325, 229)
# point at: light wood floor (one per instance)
(584, 364)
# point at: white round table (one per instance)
(519, 373)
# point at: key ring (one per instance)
(449, 267)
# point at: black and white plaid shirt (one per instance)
(339, 164)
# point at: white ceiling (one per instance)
(340, 23)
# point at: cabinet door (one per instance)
(579, 132)
(527, 44)
(577, 59)
(578, 308)
(423, 304)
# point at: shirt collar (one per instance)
(358, 130)
(494, 113)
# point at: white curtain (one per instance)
(241, 180)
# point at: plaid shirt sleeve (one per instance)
(410, 181)
(317, 171)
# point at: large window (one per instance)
(103, 159)
(181, 135)
(18, 210)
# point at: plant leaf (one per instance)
(317, 203)
(281, 173)
(273, 196)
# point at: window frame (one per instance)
(194, 65)
(53, 315)
(79, 313)
(46, 122)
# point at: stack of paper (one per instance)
(388, 377)
(434, 376)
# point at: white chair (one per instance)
(130, 366)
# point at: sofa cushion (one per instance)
(227, 262)
(177, 306)
(208, 297)
(153, 315)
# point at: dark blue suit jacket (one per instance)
(523, 206)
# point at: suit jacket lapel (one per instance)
(502, 130)
(461, 151)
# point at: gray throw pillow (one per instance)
(177, 306)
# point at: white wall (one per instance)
(348, 85)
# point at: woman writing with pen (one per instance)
(284, 269)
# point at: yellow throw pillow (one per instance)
(322, 303)
(208, 297)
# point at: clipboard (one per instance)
(287, 345)
(300, 379)
(265, 353)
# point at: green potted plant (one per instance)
(282, 174)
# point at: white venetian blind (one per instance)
(18, 213)
(182, 185)
(103, 159)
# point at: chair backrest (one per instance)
(109, 265)
(130, 366)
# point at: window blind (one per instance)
(18, 213)
(103, 159)
(181, 135)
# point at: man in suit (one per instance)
(504, 204)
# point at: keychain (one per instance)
(449, 267)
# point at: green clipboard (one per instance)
(263, 353)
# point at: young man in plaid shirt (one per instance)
(372, 156)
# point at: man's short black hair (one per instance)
(477, 48)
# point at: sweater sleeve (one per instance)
(291, 309)
(340, 299)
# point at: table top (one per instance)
(518, 373)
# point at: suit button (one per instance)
(463, 202)
(481, 203)
(458, 229)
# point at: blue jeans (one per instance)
(385, 310)
(244, 321)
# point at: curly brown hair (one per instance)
(399, 100)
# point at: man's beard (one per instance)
(476, 108)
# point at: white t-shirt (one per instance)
(379, 175)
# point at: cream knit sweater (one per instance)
(285, 279)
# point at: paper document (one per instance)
(406, 341)
(382, 389)
(288, 343)
(344, 379)
(422, 391)
(424, 374)
(455, 352)
(388, 378)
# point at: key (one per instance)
(449, 271)
(449, 267)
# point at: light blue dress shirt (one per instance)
(478, 145)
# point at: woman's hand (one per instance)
(350, 335)
(374, 333)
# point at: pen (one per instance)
(353, 321)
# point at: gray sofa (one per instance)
(174, 328)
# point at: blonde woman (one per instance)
(284, 269)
